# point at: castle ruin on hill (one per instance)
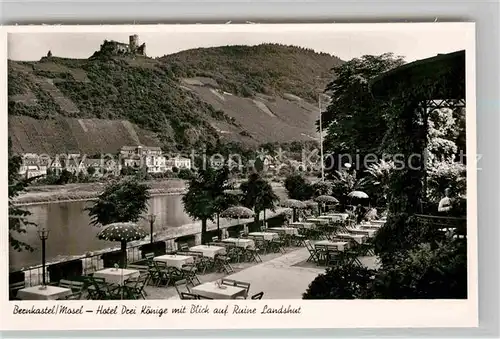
(115, 48)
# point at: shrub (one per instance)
(346, 281)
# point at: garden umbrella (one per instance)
(358, 194)
(294, 204)
(326, 199)
(237, 212)
(310, 203)
(123, 232)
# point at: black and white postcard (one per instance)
(239, 176)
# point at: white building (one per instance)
(156, 164)
(178, 162)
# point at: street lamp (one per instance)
(44, 235)
(151, 218)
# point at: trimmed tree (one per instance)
(203, 199)
(258, 194)
(122, 201)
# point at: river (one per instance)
(71, 232)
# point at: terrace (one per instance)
(277, 263)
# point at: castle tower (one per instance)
(133, 42)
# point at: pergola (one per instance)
(415, 89)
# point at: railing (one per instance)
(95, 262)
(458, 225)
(92, 263)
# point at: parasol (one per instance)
(237, 212)
(311, 203)
(292, 203)
(327, 199)
(358, 194)
(123, 232)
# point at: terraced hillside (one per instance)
(178, 101)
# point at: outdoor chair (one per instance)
(253, 254)
(179, 284)
(73, 296)
(188, 296)
(183, 247)
(234, 253)
(202, 297)
(215, 239)
(313, 254)
(149, 255)
(257, 296)
(100, 290)
(74, 286)
(236, 283)
(140, 268)
(298, 240)
(222, 263)
(13, 288)
(159, 274)
(134, 288)
(278, 245)
(189, 273)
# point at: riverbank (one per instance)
(88, 191)
(168, 235)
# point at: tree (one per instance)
(185, 174)
(354, 120)
(122, 201)
(345, 182)
(344, 281)
(298, 187)
(17, 216)
(203, 199)
(377, 181)
(259, 195)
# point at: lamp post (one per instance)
(151, 218)
(44, 235)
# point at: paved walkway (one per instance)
(278, 278)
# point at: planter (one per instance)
(65, 270)
(111, 258)
(158, 248)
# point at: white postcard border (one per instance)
(314, 314)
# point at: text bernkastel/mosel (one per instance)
(157, 311)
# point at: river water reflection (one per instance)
(72, 234)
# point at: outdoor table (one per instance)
(245, 243)
(367, 232)
(116, 276)
(286, 230)
(208, 251)
(317, 220)
(341, 245)
(265, 235)
(378, 222)
(359, 238)
(175, 260)
(49, 293)
(212, 290)
(344, 216)
(308, 225)
(371, 226)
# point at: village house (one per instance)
(139, 156)
(178, 162)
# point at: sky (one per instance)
(413, 44)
